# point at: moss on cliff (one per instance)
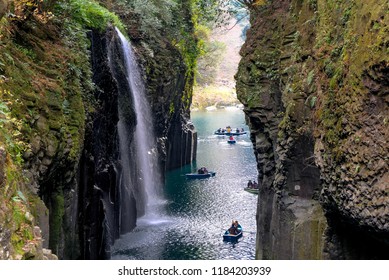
(57, 203)
(327, 61)
(45, 101)
(349, 41)
(45, 94)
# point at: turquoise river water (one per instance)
(188, 223)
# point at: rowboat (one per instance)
(227, 236)
(233, 141)
(200, 176)
(230, 133)
(251, 190)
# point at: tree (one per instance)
(209, 62)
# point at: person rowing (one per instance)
(234, 229)
(202, 170)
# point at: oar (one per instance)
(251, 232)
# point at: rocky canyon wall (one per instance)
(60, 94)
(314, 82)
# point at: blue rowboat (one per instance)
(231, 141)
(200, 176)
(227, 236)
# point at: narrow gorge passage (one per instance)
(197, 212)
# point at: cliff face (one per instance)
(313, 79)
(62, 87)
(169, 85)
(44, 80)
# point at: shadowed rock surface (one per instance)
(313, 80)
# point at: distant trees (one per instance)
(187, 24)
(209, 61)
(218, 14)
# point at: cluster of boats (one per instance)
(231, 132)
(235, 231)
(228, 131)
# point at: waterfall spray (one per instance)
(146, 159)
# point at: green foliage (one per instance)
(171, 108)
(56, 219)
(21, 222)
(211, 12)
(286, 122)
(310, 77)
(313, 4)
(154, 15)
(89, 13)
(346, 15)
(27, 52)
(311, 101)
(219, 12)
(10, 133)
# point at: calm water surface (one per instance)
(189, 222)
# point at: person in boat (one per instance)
(231, 138)
(219, 130)
(237, 130)
(234, 228)
(202, 170)
(255, 185)
(236, 225)
(228, 129)
(250, 184)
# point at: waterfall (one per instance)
(142, 156)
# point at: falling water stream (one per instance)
(149, 176)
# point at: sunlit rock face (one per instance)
(313, 80)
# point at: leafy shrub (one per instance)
(154, 15)
(90, 14)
